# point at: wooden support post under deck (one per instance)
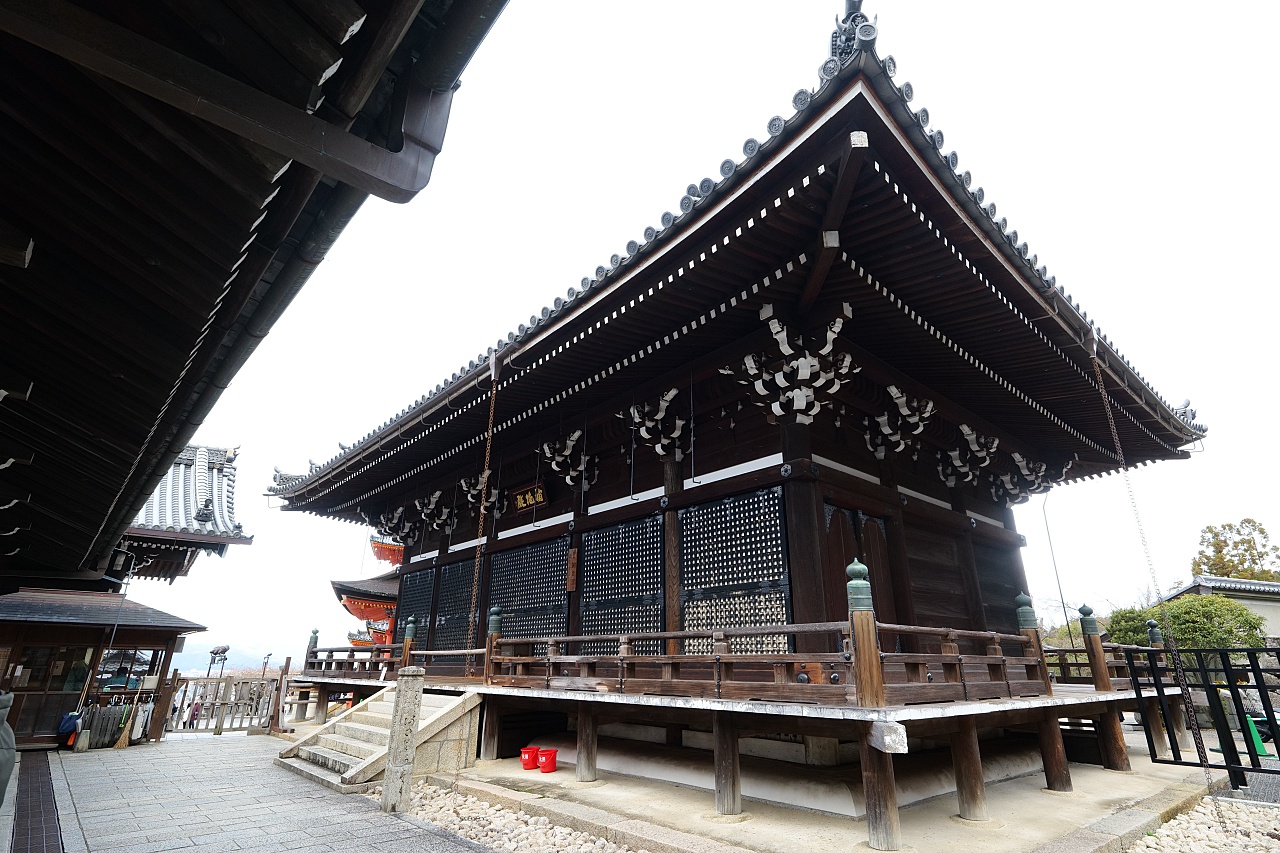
(1155, 725)
(491, 730)
(884, 829)
(585, 769)
(966, 760)
(724, 736)
(322, 706)
(1057, 773)
(1178, 711)
(1115, 756)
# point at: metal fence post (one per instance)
(397, 781)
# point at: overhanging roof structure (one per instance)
(853, 199)
(81, 608)
(192, 510)
(173, 175)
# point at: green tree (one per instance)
(1211, 622)
(1128, 625)
(1241, 550)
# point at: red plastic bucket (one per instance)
(547, 760)
(529, 757)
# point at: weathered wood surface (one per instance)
(966, 761)
(1053, 754)
(728, 771)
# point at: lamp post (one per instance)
(264, 664)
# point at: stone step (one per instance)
(351, 746)
(368, 718)
(328, 778)
(329, 759)
(359, 731)
(437, 700)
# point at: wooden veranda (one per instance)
(949, 686)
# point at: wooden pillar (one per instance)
(1110, 735)
(884, 828)
(410, 634)
(322, 705)
(491, 730)
(1057, 773)
(806, 537)
(1178, 713)
(282, 690)
(585, 769)
(868, 673)
(821, 751)
(673, 484)
(724, 735)
(1155, 724)
(969, 565)
(966, 760)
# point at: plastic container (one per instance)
(529, 757)
(547, 760)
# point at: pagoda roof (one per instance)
(944, 295)
(192, 510)
(173, 175)
(381, 588)
(87, 608)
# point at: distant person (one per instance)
(7, 745)
(195, 715)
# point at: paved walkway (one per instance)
(216, 794)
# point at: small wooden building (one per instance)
(61, 650)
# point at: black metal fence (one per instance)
(1234, 693)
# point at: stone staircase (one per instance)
(349, 753)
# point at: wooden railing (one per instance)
(359, 662)
(725, 673)
(1072, 666)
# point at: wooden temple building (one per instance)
(833, 353)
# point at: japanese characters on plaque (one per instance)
(529, 497)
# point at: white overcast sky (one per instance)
(1127, 143)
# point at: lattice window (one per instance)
(451, 611)
(733, 569)
(416, 591)
(529, 585)
(621, 583)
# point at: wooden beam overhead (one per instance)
(126, 57)
(14, 454)
(850, 167)
(14, 386)
(16, 246)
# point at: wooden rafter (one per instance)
(16, 246)
(850, 167)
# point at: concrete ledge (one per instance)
(659, 839)
(1116, 832)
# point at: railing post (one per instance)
(410, 631)
(397, 782)
(868, 674)
(1110, 734)
(1029, 627)
(491, 643)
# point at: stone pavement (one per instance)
(214, 794)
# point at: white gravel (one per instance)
(500, 828)
(1198, 831)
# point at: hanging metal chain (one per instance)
(475, 572)
(1180, 674)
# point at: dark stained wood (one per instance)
(248, 51)
(806, 535)
(728, 772)
(966, 760)
(969, 564)
(585, 769)
(295, 39)
(867, 672)
(337, 20)
(1155, 724)
(16, 246)
(884, 828)
(850, 167)
(1115, 756)
(1053, 754)
(673, 618)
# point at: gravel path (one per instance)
(1198, 831)
(500, 828)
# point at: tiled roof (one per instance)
(383, 586)
(86, 608)
(853, 53)
(1229, 585)
(196, 496)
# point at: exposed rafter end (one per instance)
(12, 385)
(16, 246)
